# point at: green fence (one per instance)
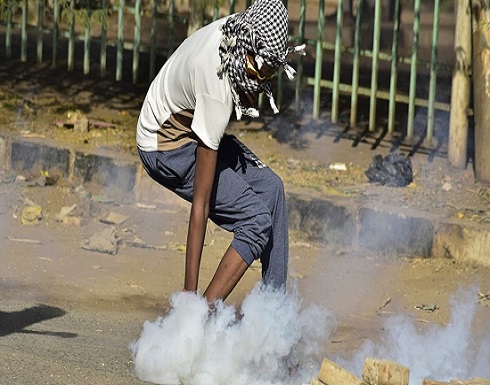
(372, 91)
(153, 27)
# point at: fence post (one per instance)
(413, 69)
(280, 82)
(355, 66)
(171, 27)
(120, 40)
(337, 61)
(299, 66)
(153, 40)
(394, 69)
(86, 42)
(375, 66)
(433, 74)
(56, 18)
(71, 39)
(481, 88)
(40, 32)
(103, 41)
(137, 40)
(318, 59)
(460, 97)
(23, 52)
(8, 34)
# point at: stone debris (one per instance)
(7, 178)
(338, 166)
(383, 305)
(79, 122)
(142, 244)
(72, 221)
(103, 199)
(114, 219)
(145, 206)
(333, 374)
(484, 298)
(384, 372)
(65, 211)
(25, 240)
(138, 242)
(82, 193)
(105, 241)
(31, 215)
(427, 307)
(20, 179)
(43, 180)
(447, 186)
(378, 372)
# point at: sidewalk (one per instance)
(361, 217)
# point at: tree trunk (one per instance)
(196, 15)
(461, 86)
(481, 88)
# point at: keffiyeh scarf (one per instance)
(261, 30)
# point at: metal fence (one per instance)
(155, 27)
(393, 95)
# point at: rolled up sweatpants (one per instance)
(247, 199)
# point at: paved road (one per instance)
(47, 344)
(68, 315)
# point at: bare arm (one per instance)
(203, 183)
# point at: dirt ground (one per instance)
(45, 262)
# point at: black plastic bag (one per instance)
(392, 170)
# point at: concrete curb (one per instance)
(351, 223)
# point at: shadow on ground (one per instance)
(18, 321)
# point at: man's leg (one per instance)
(275, 257)
(229, 272)
(246, 199)
(269, 189)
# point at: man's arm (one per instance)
(206, 159)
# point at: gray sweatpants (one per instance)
(247, 199)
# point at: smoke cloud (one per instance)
(271, 340)
(441, 353)
(275, 340)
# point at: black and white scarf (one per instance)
(262, 30)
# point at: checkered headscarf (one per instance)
(261, 30)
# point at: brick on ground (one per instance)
(428, 381)
(384, 372)
(333, 374)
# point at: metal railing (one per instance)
(77, 21)
(77, 26)
(373, 91)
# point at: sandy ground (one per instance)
(93, 304)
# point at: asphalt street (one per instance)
(46, 344)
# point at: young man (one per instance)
(181, 139)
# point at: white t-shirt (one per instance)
(189, 81)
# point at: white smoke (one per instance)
(439, 352)
(271, 341)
